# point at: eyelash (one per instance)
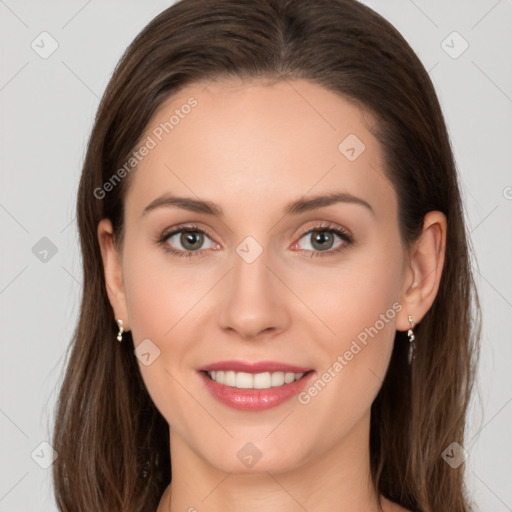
(323, 228)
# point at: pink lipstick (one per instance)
(254, 386)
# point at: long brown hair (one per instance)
(112, 442)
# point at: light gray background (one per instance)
(47, 109)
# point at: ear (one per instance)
(112, 265)
(423, 274)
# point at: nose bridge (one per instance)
(250, 270)
(251, 284)
(253, 302)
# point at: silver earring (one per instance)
(412, 345)
(121, 330)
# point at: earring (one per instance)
(121, 330)
(412, 345)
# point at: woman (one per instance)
(271, 227)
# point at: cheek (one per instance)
(354, 366)
(359, 303)
(163, 302)
(357, 298)
(160, 294)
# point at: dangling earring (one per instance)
(412, 345)
(121, 330)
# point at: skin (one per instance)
(251, 148)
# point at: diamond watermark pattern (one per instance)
(351, 147)
(44, 45)
(249, 249)
(454, 455)
(147, 352)
(44, 250)
(44, 455)
(454, 45)
(249, 454)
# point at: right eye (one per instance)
(191, 239)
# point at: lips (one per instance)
(254, 386)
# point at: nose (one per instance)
(253, 300)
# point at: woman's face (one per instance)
(262, 276)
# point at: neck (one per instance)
(338, 479)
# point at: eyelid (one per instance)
(185, 227)
(327, 225)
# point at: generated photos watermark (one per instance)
(344, 359)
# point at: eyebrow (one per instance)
(293, 208)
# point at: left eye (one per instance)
(322, 240)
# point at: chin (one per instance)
(256, 457)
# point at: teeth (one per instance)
(243, 380)
(229, 378)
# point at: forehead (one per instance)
(258, 144)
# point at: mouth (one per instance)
(254, 389)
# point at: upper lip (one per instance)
(254, 367)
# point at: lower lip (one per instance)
(255, 399)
